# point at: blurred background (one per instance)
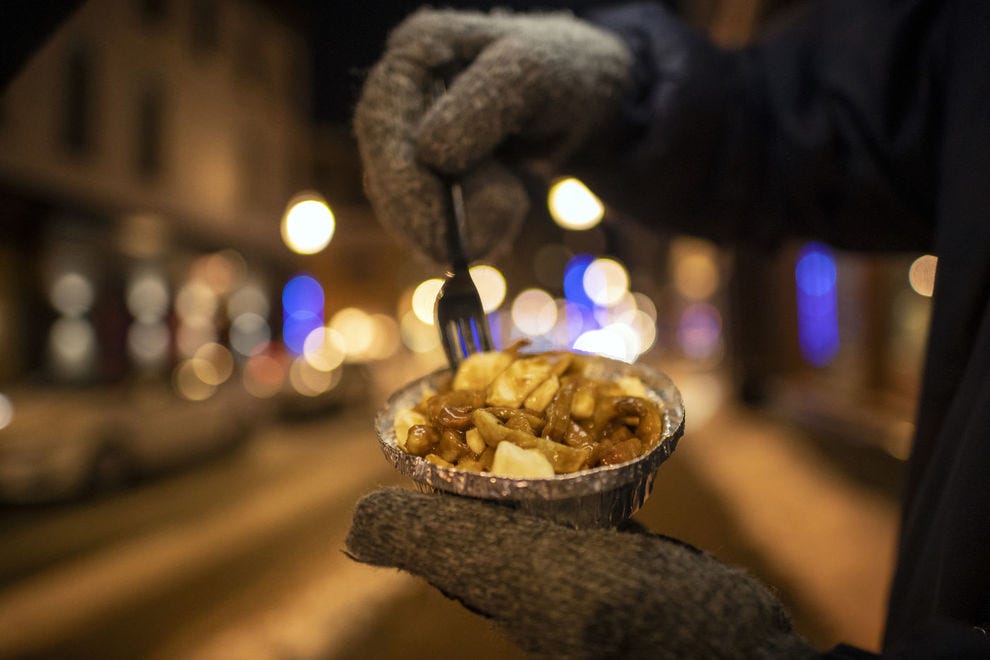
(199, 317)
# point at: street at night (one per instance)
(242, 555)
(213, 279)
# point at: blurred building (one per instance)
(147, 152)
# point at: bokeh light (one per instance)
(921, 274)
(695, 268)
(491, 286)
(72, 294)
(302, 310)
(248, 333)
(308, 224)
(196, 300)
(263, 376)
(188, 382)
(818, 324)
(573, 206)
(309, 381)
(424, 299)
(192, 334)
(325, 349)
(213, 363)
(357, 329)
(147, 296)
(72, 347)
(605, 281)
(699, 331)
(534, 312)
(574, 271)
(148, 343)
(248, 299)
(418, 337)
(386, 340)
(6, 411)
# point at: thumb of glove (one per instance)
(574, 593)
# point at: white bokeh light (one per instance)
(308, 224)
(606, 281)
(534, 312)
(491, 286)
(573, 206)
(424, 299)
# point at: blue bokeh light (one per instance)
(574, 280)
(302, 311)
(818, 322)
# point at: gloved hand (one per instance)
(575, 593)
(546, 79)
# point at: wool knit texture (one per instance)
(568, 593)
(540, 81)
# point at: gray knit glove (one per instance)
(570, 593)
(542, 80)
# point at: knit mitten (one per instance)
(570, 593)
(543, 82)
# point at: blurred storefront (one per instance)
(147, 151)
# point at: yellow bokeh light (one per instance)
(534, 312)
(213, 363)
(309, 381)
(386, 339)
(357, 329)
(491, 286)
(308, 224)
(695, 268)
(424, 299)
(6, 411)
(189, 384)
(921, 275)
(606, 282)
(573, 206)
(418, 337)
(325, 349)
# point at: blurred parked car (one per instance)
(63, 443)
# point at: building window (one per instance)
(205, 28)
(78, 103)
(150, 129)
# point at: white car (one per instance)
(62, 443)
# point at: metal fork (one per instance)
(459, 314)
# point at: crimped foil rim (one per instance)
(603, 479)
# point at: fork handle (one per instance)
(454, 213)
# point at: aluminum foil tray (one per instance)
(599, 497)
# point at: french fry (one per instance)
(516, 415)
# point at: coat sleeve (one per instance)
(826, 126)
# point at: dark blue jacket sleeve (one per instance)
(826, 126)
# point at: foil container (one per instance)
(600, 497)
